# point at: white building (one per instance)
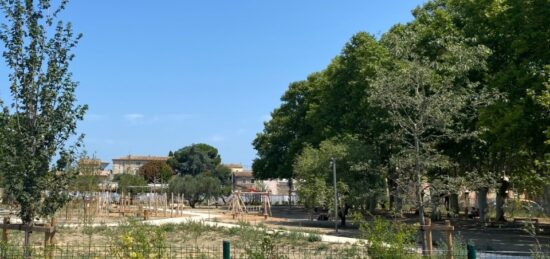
(131, 164)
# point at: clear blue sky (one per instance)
(161, 75)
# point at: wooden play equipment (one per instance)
(238, 206)
(111, 205)
(447, 228)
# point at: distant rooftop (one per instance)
(243, 174)
(141, 158)
(93, 163)
(234, 165)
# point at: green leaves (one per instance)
(195, 159)
(195, 189)
(201, 176)
(156, 172)
(43, 113)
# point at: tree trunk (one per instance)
(343, 212)
(27, 241)
(290, 187)
(482, 204)
(546, 200)
(455, 208)
(372, 204)
(499, 208)
(435, 200)
(501, 198)
(419, 192)
(388, 195)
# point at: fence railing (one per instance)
(227, 251)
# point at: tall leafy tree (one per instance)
(195, 189)
(285, 134)
(156, 172)
(42, 115)
(517, 33)
(426, 95)
(359, 178)
(195, 159)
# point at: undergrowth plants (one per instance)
(139, 241)
(387, 238)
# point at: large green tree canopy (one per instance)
(195, 159)
(465, 78)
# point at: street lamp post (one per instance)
(333, 163)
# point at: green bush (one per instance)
(386, 238)
(139, 241)
(266, 250)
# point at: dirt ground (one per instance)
(503, 237)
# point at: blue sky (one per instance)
(161, 75)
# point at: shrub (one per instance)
(314, 238)
(387, 237)
(139, 241)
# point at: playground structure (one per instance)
(258, 201)
(107, 205)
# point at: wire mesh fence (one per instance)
(243, 252)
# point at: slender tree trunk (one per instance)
(27, 241)
(343, 213)
(455, 208)
(501, 198)
(482, 204)
(434, 202)
(372, 203)
(290, 187)
(499, 208)
(419, 192)
(546, 200)
(389, 196)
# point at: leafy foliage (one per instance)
(195, 159)
(386, 239)
(195, 189)
(128, 182)
(156, 172)
(42, 116)
(461, 90)
(139, 241)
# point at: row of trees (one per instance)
(457, 98)
(195, 171)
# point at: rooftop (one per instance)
(234, 165)
(141, 158)
(243, 174)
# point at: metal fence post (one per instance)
(226, 249)
(472, 253)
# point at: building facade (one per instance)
(131, 164)
(94, 167)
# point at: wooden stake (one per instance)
(171, 204)
(165, 204)
(5, 230)
(449, 235)
(428, 230)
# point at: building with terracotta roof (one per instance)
(235, 167)
(243, 180)
(131, 164)
(93, 166)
